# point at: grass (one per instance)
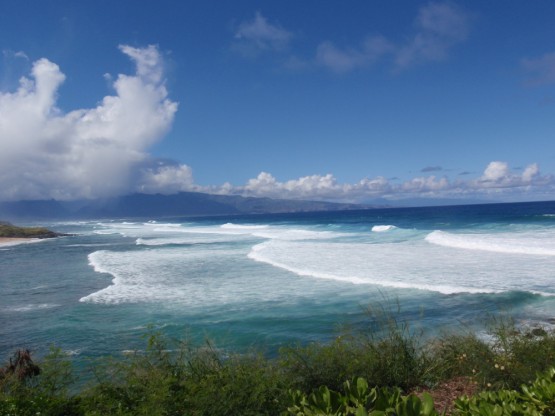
(176, 378)
(12, 231)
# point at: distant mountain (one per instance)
(147, 205)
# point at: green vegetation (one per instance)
(11, 231)
(376, 372)
(359, 400)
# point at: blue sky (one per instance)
(352, 101)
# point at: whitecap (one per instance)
(231, 226)
(33, 306)
(382, 228)
(513, 243)
(410, 265)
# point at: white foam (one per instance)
(158, 224)
(382, 228)
(154, 230)
(491, 262)
(260, 231)
(32, 307)
(162, 275)
(232, 226)
(189, 239)
(91, 245)
(515, 243)
(409, 264)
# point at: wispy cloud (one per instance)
(346, 59)
(437, 28)
(431, 169)
(7, 53)
(45, 153)
(541, 70)
(259, 35)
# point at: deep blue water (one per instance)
(270, 280)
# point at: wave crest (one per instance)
(382, 228)
(494, 243)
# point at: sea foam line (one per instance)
(382, 228)
(256, 255)
(32, 307)
(491, 243)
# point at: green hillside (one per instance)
(12, 231)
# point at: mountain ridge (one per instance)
(158, 205)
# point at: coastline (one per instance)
(13, 241)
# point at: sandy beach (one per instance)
(8, 241)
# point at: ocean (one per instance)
(265, 281)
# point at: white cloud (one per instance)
(496, 179)
(336, 59)
(85, 153)
(7, 53)
(308, 186)
(439, 26)
(530, 173)
(166, 179)
(496, 172)
(425, 185)
(347, 59)
(542, 69)
(498, 175)
(260, 35)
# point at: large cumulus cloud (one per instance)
(86, 153)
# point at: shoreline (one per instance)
(14, 241)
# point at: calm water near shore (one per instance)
(269, 280)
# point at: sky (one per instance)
(353, 101)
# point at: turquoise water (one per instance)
(266, 281)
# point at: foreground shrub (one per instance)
(163, 381)
(507, 358)
(535, 399)
(175, 378)
(29, 389)
(358, 399)
(387, 353)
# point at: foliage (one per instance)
(364, 372)
(359, 400)
(26, 389)
(535, 399)
(507, 358)
(386, 353)
(164, 381)
(8, 230)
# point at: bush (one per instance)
(29, 389)
(186, 381)
(175, 378)
(508, 358)
(535, 399)
(358, 399)
(386, 353)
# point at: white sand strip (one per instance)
(9, 241)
